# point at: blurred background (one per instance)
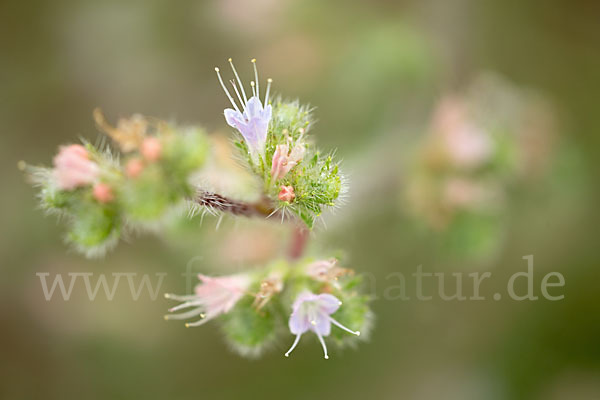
(468, 130)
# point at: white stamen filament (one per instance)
(185, 305)
(180, 298)
(198, 323)
(239, 81)
(227, 91)
(333, 321)
(287, 354)
(186, 315)
(237, 93)
(269, 81)
(256, 77)
(253, 88)
(323, 344)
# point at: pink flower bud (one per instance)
(134, 167)
(287, 194)
(73, 168)
(103, 193)
(284, 160)
(151, 149)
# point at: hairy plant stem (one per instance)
(299, 240)
(263, 208)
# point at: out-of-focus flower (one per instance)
(251, 119)
(151, 149)
(464, 143)
(313, 312)
(286, 194)
(134, 167)
(326, 271)
(129, 133)
(103, 193)
(284, 160)
(256, 17)
(213, 297)
(73, 168)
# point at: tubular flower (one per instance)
(252, 117)
(312, 312)
(73, 168)
(213, 297)
(284, 160)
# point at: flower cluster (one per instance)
(475, 149)
(255, 308)
(102, 196)
(274, 141)
(159, 168)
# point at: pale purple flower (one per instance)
(251, 118)
(284, 159)
(73, 167)
(213, 297)
(312, 312)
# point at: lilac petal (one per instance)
(254, 108)
(298, 323)
(268, 111)
(328, 303)
(322, 324)
(301, 298)
(234, 118)
(248, 131)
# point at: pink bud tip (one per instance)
(73, 168)
(77, 149)
(151, 149)
(134, 167)
(287, 194)
(103, 193)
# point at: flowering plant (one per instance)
(102, 196)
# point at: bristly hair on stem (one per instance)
(218, 203)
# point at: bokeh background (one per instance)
(375, 70)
